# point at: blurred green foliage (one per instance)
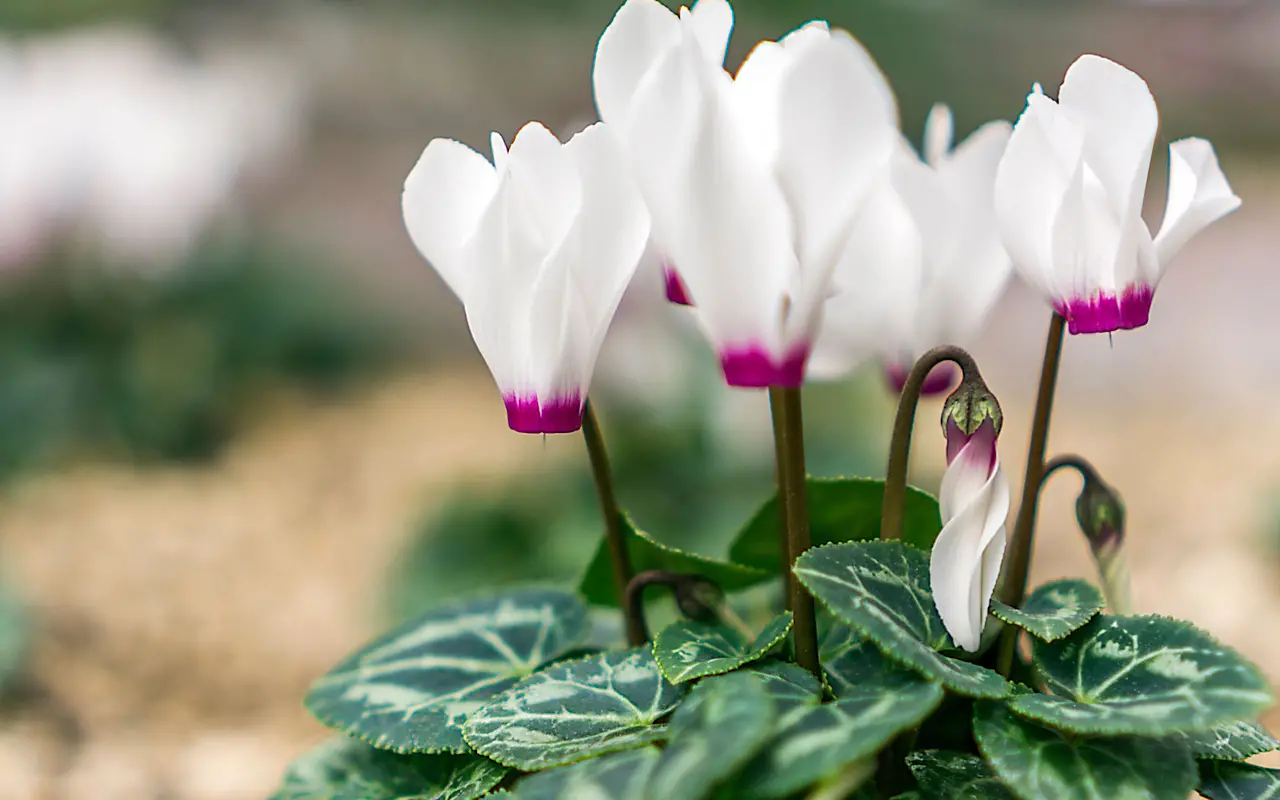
(162, 367)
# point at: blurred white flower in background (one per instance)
(113, 142)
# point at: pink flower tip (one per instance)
(1106, 312)
(526, 414)
(752, 366)
(937, 382)
(677, 292)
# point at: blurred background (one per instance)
(243, 427)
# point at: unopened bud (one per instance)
(971, 411)
(698, 598)
(1100, 512)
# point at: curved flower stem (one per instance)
(619, 556)
(633, 602)
(788, 436)
(895, 485)
(1014, 586)
(1079, 463)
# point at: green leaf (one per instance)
(345, 769)
(946, 775)
(686, 650)
(724, 723)
(815, 743)
(788, 685)
(1145, 675)
(575, 710)
(882, 590)
(840, 510)
(618, 776)
(648, 553)
(411, 690)
(861, 664)
(1039, 763)
(1231, 741)
(1228, 780)
(1054, 610)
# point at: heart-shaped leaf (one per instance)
(861, 664)
(686, 650)
(1229, 780)
(1039, 763)
(617, 776)
(1148, 676)
(882, 590)
(345, 769)
(1231, 741)
(1053, 610)
(411, 690)
(946, 775)
(648, 553)
(575, 710)
(788, 685)
(840, 510)
(724, 723)
(815, 743)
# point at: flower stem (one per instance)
(1014, 586)
(895, 485)
(788, 436)
(619, 555)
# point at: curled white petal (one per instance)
(965, 562)
(1199, 195)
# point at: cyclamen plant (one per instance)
(774, 198)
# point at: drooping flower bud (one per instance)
(974, 500)
(1100, 512)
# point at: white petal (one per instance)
(546, 181)
(966, 557)
(640, 33)
(712, 23)
(876, 282)
(1199, 195)
(939, 132)
(716, 207)
(1115, 110)
(610, 236)
(444, 196)
(1044, 153)
(838, 129)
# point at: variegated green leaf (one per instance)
(1229, 780)
(840, 510)
(1231, 741)
(815, 743)
(575, 710)
(860, 664)
(1147, 676)
(687, 649)
(882, 590)
(946, 775)
(617, 776)
(648, 553)
(787, 684)
(345, 769)
(1039, 763)
(411, 690)
(1053, 610)
(724, 723)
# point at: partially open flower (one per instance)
(1069, 197)
(539, 246)
(924, 264)
(754, 182)
(965, 563)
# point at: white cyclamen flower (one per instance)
(965, 562)
(925, 263)
(1069, 195)
(641, 33)
(539, 246)
(754, 182)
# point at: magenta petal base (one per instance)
(937, 382)
(677, 292)
(525, 414)
(752, 367)
(1104, 313)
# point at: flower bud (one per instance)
(1100, 512)
(971, 410)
